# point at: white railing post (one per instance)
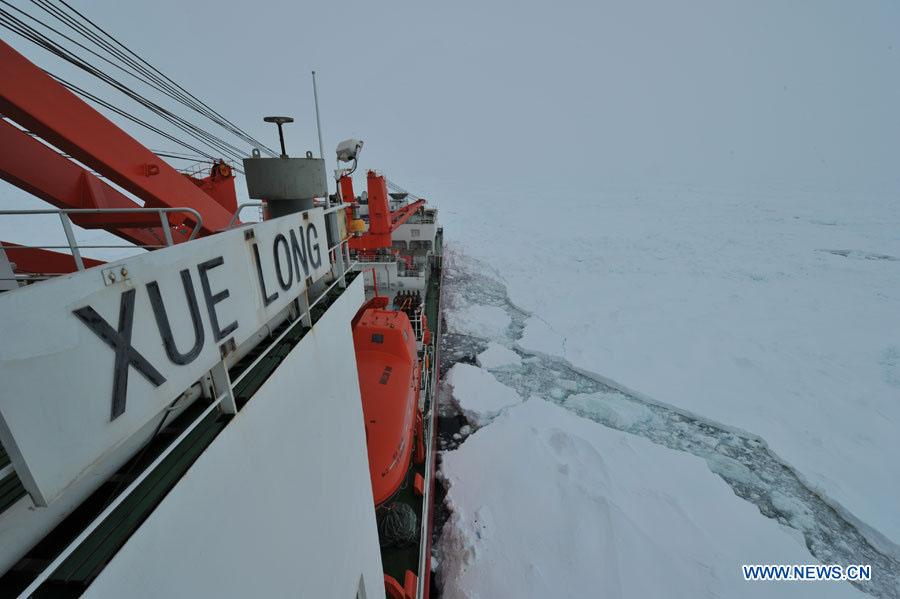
(305, 316)
(221, 384)
(70, 235)
(167, 231)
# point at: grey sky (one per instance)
(551, 96)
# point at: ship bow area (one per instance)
(287, 478)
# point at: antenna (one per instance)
(319, 129)
(318, 122)
(280, 120)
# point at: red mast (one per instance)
(382, 222)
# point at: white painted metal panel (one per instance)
(58, 400)
(22, 526)
(408, 232)
(280, 504)
(7, 276)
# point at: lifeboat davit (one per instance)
(389, 374)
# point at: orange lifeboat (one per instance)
(389, 375)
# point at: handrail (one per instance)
(241, 207)
(287, 330)
(431, 403)
(368, 259)
(427, 354)
(70, 233)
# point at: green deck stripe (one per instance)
(11, 490)
(4, 457)
(103, 543)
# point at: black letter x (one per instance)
(120, 341)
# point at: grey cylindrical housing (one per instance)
(285, 178)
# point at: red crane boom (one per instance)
(41, 105)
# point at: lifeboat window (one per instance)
(378, 338)
(406, 335)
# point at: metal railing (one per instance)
(427, 358)
(74, 246)
(306, 313)
(420, 219)
(368, 259)
(413, 271)
(261, 205)
(203, 168)
(418, 325)
(241, 207)
(431, 390)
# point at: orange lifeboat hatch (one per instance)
(389, 375)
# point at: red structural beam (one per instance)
(38, 169)
(382, 222)
(379, 211)
(219, 185)
(402, 215)
(35, 261)
(38, 103)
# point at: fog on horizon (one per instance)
(558, 97)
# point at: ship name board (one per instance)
(302, 252)
(86, 363)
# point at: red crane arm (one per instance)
(43, 172)
(382, 222)
(402, 215)
(33, 99)
(38, 261)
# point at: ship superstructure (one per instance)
(193, 420)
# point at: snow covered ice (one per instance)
(546, 504)
(497, 356)
(477, 394)
(751, 335)
(489, 322)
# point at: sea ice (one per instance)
(547, 504)
(498, 356)
(477, 394)
(609, 407)
(488, 322)
(724, 304)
